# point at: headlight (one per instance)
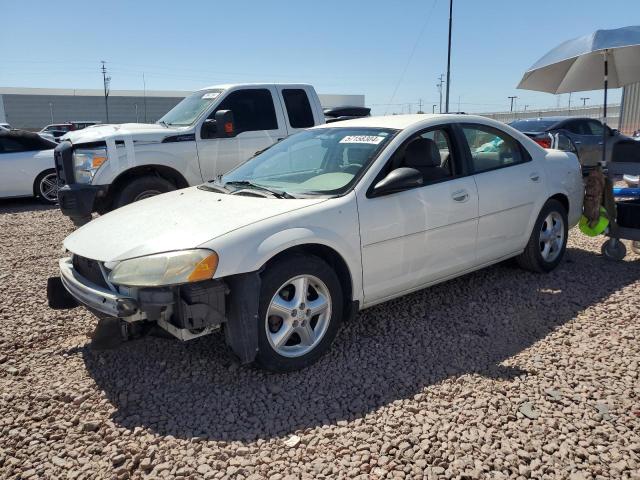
(169, 268)
(86, 163)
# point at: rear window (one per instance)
(532, 126)
(298, 108)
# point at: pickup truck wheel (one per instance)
(141, 188)
(548, 240)
(299, 313)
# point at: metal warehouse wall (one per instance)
(32, 112)
(630, 118)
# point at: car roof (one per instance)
(401, 122)
(226, 86)
(556, 118)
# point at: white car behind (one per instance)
(326, 222)
(27, 167)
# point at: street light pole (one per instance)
(584, 100)
(512, 98)
(449, 56)
(439, 85)
(433, 108)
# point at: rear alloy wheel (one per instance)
(47, 186)
(548, 240)
(141, 188)
(300, 312)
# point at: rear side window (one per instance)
(11, 145)
(491, 148)
(298, 108)
(578, 127)
(252, 109)
(595, 128)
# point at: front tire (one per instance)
(299, 313)
(548, 240)
(46, 187)
(141, 188)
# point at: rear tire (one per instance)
(141, 188)
(299, 314)
(548, 240)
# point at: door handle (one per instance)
(599, 143)
(460, 195)
(577, 142)
(534, 177)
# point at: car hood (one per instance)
(176, 220)
(141, 131)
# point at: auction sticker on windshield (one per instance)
(210, 95)
(370, 139)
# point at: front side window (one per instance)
(491, 148)
(189, 109)
(252, 110)
(578, 127)
(318, 161)
(298, 108)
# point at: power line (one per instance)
(413, 51)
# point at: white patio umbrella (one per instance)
(603, 59)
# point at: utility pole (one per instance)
(440, 84)
(512, 98)
(449, 55)
(420, 106)
(584, 100)
(106, 81)
(51, 110)
(569, 103)
(144, 93)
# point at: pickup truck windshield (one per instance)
(189, 109)
(319, 161)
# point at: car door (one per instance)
(17, 165)
(510, 184)
(587, 144)
(259, 123)
(422, 235)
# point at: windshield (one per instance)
(188, 110)
(533, 126)
(317, 161)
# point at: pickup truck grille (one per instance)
(63, 158)
(89, 269)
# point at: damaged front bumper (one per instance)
(185, 311)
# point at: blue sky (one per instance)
(347, 46)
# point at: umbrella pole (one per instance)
(604, 119)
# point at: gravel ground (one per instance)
(497, 374)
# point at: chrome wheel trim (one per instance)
(49, 186)
(147, 194)
(298, 316)
(551, 237)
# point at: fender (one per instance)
(294, 237)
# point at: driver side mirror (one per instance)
(397, 180)
(222, 126)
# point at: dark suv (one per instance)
(582, 135)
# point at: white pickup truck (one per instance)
(109, 166)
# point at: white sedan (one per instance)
(331, 220)
(27, 167)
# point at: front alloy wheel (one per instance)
(299, 314)
(47, 187)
